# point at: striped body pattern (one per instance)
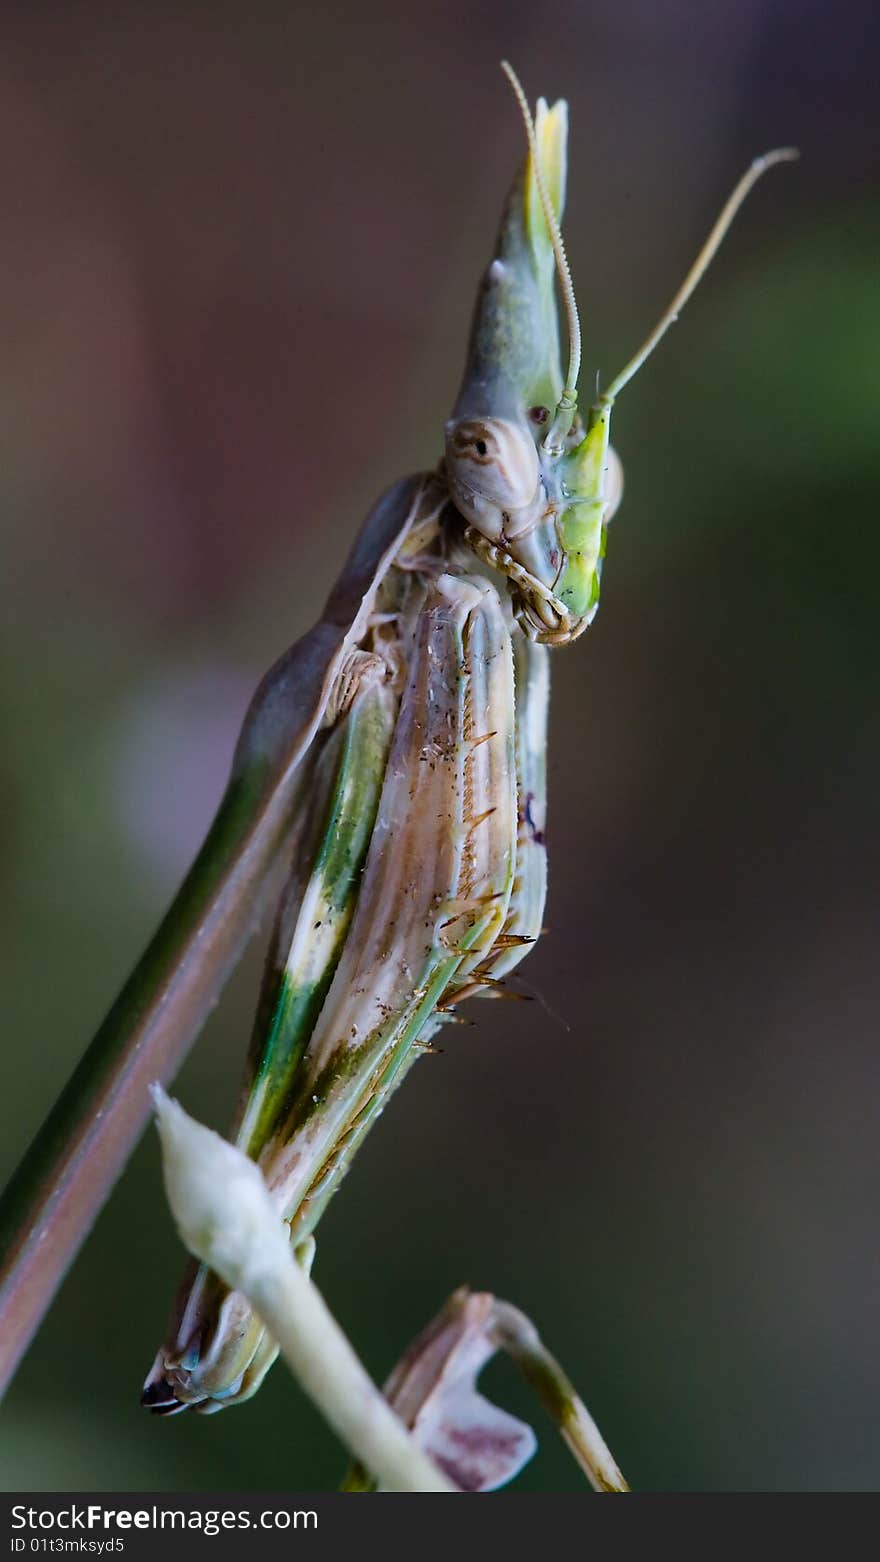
(420, 881)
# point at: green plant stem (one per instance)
(517, 1335)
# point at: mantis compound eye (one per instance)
(493, 471)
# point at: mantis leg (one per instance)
(525, 915)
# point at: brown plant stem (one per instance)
(65, 1177)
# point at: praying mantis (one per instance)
(418, 868)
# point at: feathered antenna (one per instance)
(554, 440)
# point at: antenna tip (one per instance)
(780, 154)
(516, 84)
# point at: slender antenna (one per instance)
(553, 443)
(785, 154)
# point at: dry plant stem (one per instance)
(227, 1219)
(434, 1388)
(517, 1335)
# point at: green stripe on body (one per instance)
(345, 796)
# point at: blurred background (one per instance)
(212, 221)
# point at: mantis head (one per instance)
(535, 484)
